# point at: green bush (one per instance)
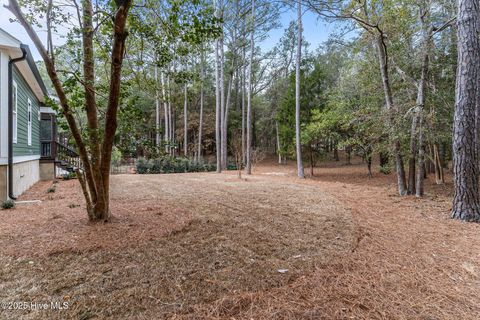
(171, 165)
(8, 204)
(68, 176)
(385, 169)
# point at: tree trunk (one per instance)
(300, 172)
(223, 151)
(348, 155)
(278, 143)
(96, 158)
(391, 109)
(165, 110)
(200, 125)
(225, 121)
(335, 153)
(368, 159)
(439, 179)
(412, 160)
(421, 161)
(157, 108)
(422, 84)
(217, 102)
(185, 122)
(244, 153)
(171, 119)
(312, 161)
(466, 201)
(248, 167)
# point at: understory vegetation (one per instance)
(171, 165)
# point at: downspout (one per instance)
(10, 120)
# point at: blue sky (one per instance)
(315, 31)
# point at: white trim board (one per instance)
(18, 159)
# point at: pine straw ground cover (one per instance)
(178, 243)
(410, 260)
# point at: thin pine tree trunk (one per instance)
(244, 153)
(413, 153)
(248, 168)
(157, 109)
(300, 171)
(223, 150)
(217, 102)
(422, 84)
(185, 122)
(200, 125)
(278, 143)
(165, 109)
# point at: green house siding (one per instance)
(21, 148)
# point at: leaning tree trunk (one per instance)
(466, 201)
(391, 110)
(298, 141)
(248, 167)
(96, 158)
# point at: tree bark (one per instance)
(218, 107)
(248, 167)
(300, 171)
(421, 97)
(244, 153)
(223, 151)
(439, 179)
(200, 125)
(185, 121)
(391, 110)
(166, 114)
(157, 109)
(95, 159)
(412, 160)
(466, 201)
(278, 143)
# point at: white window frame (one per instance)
(15, 111)
(29, 122)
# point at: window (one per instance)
(15, 105)
(29, 123)
(46, 130)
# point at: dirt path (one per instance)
(410, 261)
(177, 243)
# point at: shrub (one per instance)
(169, 164)
(8, 204)
(385, 169)
(70, 175)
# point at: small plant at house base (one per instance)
(8, 204)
